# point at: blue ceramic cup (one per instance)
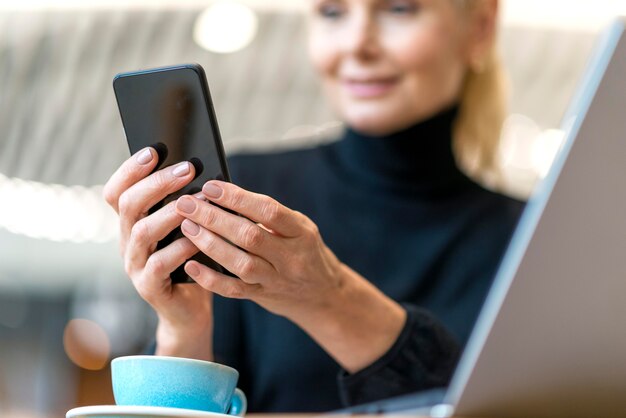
(177, 383)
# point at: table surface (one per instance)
(22, 414)
(26, 414)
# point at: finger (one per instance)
(219, 283)
(237, 229)
(130, 172)
(135, 202)
(147, 232)
(255, 206)
(155, 280)
(247, 266)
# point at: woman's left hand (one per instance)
(286, 268)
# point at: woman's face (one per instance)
(387, 64)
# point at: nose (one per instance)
(361, 36)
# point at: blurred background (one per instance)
(66, 306)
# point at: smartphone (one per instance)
(170, 109)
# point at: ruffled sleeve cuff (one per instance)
(423, 357)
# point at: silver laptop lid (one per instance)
(551, 338)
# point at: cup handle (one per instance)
(238, 404)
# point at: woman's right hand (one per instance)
(185, 311)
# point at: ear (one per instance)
(482, 29)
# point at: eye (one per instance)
(331, 10)
(402, 6)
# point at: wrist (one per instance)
(174, 341)
(357, 324)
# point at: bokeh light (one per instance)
(225, 27)
(86, 344)
(56, 212)
(545, 148)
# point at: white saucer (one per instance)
(118, 411)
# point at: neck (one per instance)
(417, 158)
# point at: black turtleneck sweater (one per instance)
(398, 211)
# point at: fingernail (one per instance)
(199, 196)
(212, 190)
(192, 270)
(186, 205)
(181, 169)
(190, 228)
(144, 156)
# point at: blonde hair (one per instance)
(482, 110)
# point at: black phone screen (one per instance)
(170, 110)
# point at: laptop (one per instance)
(551, 337)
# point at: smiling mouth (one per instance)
(369, 88)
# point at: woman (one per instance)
(366, 260)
